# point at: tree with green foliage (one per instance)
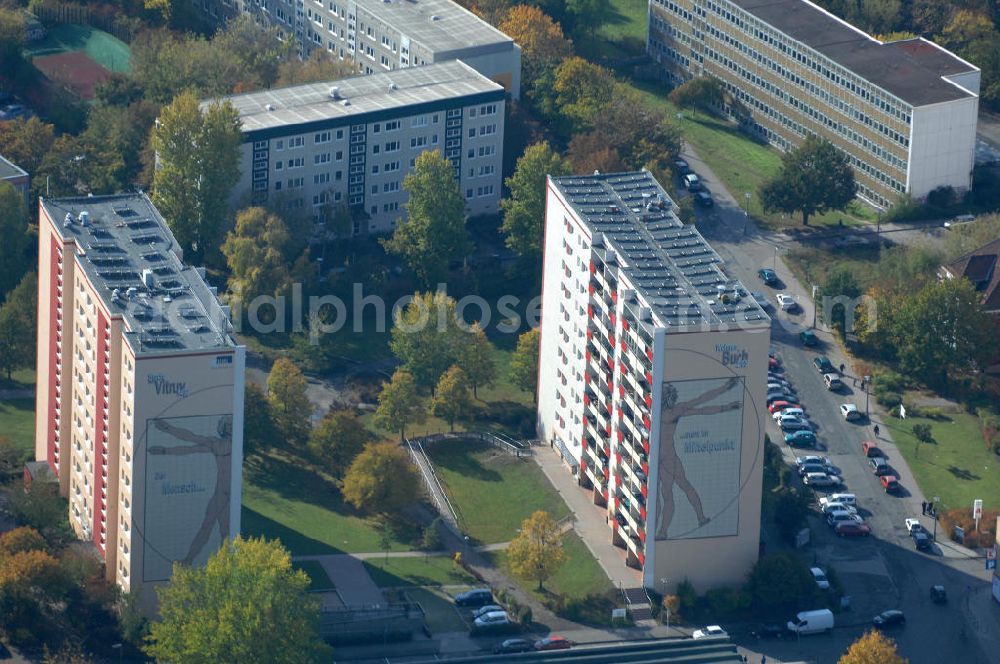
(25, 142)
(338, 438)
(399, 403)
(290, 406)
(780, 581)
(587, 16)
(524, 210)
(248, 604)
(583, 91)
(873, 647)
(434, 231)
(791, 511)
(427, 337)
(11, 459)
(256, 252)
(524, 362)
(259, 429)
(476, 359)
(321, 66)
(839, 293)
(815, 177)
(537, 552)
(18, 325)
(543, 45)
(451, 398)
(14, 231)
(40, 506)
(943, 328)
(701, 93)
(923, 434)
(381, 480)
(199, 154)
(31, 586)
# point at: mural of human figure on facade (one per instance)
(220, 447)
(671, 470)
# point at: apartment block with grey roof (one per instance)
(903, 112)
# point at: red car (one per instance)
(890, 483)
(781, 405)
(773, 363)
(553, 643)
(871, 449)
(852, 529)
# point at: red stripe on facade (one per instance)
(100, 436)
(54, 374)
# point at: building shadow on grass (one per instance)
(463, 457)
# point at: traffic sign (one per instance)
(977, 509)
(991, 563)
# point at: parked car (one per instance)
(483, 610)
(768, 631)
(773, 364)
(871, 449)
(553, 643)
(704, 199)
(824, 365)
(880, 466)
(681, 167)
(842, 517)
(922, 541)
(852, 529)
(801, 439)
(776, 407)
(850, 412)
(808, 338)
(814, 468)
(830, 508)
(819, 576)
(913, 526)
(821, 479)
(493, 619)
(768, 276)
(811, 458)
(796, 424)
(846, 498)
(889, 618)
(938, 595)
(692, 182)
(786, 302)
(512, 646)
(776, 395)
(833, 382)
(711, 630)
(890, 483)
(474, 597)
(819, 621)
(780, 386)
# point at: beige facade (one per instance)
(651, 378)
(127, 337)
(904, 113)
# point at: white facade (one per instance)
(651, 379)
(307, 154)
(942, 146)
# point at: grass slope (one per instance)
(103, 48)
(492, 491)
(17, 420)
(958, 467)
(318, 578)
(422, 571)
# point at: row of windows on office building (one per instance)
(756, 29)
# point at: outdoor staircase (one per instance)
(638, 604)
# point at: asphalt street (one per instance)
(883, 571)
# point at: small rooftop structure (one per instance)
(131, 258)
(341, 102)
(982, 269)
(671, 265)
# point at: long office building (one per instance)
(903, 112)
(310, 148)
(384, 35)
(651, 379)
(139, 409)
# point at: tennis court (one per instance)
(107, 51)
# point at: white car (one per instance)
(489, 608)
(803, 460)
(845, 498)
(820, 577)
(786, 302)
(849, 411)
(842, 517)
(790, 418)
(797, 412)
(711, 630)
(836, 508)
(492, 619)
(821, 479)
(913, 526)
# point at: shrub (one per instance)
(727, 601)
(524, 616)
(687, 599)
(431, 538)
(962, 517)
(889, 399)
(888, 381)
(941, 197)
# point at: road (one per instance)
(883, 571)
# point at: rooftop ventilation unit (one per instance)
(84, 218)
(68, 221)
(147, 278)
(335, 92)
(435, 17)
(393, 86)
(346, 102)
(268, 107)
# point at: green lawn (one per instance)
(19, 380)
(958, 467)
(106, 50)
(741, 163)
(284, 498)
(622, 36)
(17, 420)
(318, 578)
(582, 575)
(493, 492)
(813, 265)
(422, 571)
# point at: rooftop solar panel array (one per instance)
(674, 270)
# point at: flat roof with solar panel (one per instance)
(128, 254)
(400, 93)
(673, 268)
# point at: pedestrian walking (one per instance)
(876, 431)
(855, 379)
(763, 659)
(923, 507)
(842, 367)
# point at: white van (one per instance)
(844, 498)
(692, 182)
(812, 622)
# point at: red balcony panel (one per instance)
(590, 311)
(593, 268)
(590, 289)
(644, 491)
(586, 378)
(590, 334)
(645, 468)
(618, 458)
(623, 345)
(649, 377)
(611, 409)
(645, 446)
(649, 354)
(624, 323)
(606, 474)
(586, 399)
(642, 536)
(621, 390)
(608, 429)
(642, 558)
(620, 435)
(642, 513)
(604, 492)
(649, 401)
(614, 296)
(645, 421)
(616, 503)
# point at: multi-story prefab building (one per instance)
(139, 409)
(651, 379)
(309, 148)
(383, 35)
(15, 176)
(903, 112)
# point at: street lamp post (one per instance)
(934, 515)
(118, 647)
(815, 289)
(774, 265)
(746, 211)
(865, 381)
